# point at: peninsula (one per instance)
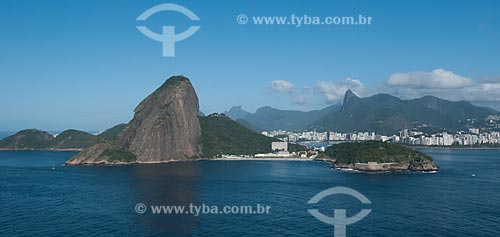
(167, 127)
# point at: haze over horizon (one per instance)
(93, 57)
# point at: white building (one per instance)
(280, 146)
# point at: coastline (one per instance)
(455, 148)
(194, 160)
(229, 158)
(252, 158)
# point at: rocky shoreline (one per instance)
(378, 167)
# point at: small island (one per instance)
(373, 156)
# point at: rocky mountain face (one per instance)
(165, 127)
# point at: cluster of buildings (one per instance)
(471, 137)
(295, 137)
(280, 150)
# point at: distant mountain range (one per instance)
(382, 113)
(217, 134)
(33, 139)
(267, 118)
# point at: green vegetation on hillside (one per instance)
(73, 139)
(32, 139)
(248, 125)
(172, 82)
(374, 151)
(27, 139)
(118, 155)
(112, 133)
(222, 135)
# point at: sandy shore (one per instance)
(252, 158)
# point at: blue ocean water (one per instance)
(40, 197)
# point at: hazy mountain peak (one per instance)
(236, 108)
(236, 112)
(265, 108)
(349, 95)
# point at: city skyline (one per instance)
(408, 137)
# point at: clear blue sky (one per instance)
(84, 65)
